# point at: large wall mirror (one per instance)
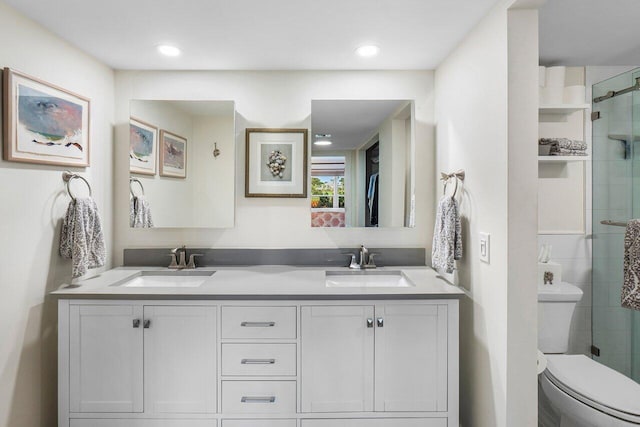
(182, 164)
(361, 163)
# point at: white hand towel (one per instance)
(631, 286)
(140, 213)
(81, 239)
(447, 236)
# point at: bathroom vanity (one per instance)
(259, 347)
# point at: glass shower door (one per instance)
(635, 315)
(616, 162)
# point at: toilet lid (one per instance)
(596, 385)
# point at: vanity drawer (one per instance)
(258, 423)
(259, 322)
(259, 359)
(259, 397)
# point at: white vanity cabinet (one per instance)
(382, 358)
(134, 358)
(268, 363)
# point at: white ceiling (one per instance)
(261, 34)
(350, 123)
(590, 32)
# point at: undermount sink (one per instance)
(168, 279)
(367, 279)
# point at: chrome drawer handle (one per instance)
(136, 323)
(258, 399)
(258, 361)
(258, 324)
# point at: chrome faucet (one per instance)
(178, 256)
(178, 259)
(366, 259)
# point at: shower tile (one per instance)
(613, 318)
(612, 196)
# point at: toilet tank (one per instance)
(556, 304)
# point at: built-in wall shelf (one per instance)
(556, 159)
(562, 109)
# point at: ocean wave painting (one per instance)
(142, 147)
(46, 124)
(49, 120)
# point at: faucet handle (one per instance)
(353, 264)
(174, 260)
(370, 262)
(192, 261)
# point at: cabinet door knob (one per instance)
(369, 323)
(147, 324)
(136, 323)
(380, 322)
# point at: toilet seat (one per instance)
(595, 385)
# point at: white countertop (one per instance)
(259, 283)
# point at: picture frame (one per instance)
(173, 155)
(276, 163)
(143, 147)
(44, 123)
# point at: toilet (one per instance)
(575, 390)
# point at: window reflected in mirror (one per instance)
(361, 164)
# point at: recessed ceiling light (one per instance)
(168, 50)
(368, 50)
(322, 135)
(323, 142)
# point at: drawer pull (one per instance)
(258, 399)
(258, 361)
(258, 324)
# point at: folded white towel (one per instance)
(140, 213)
(631, 286)
(81, 239)
(447, 236)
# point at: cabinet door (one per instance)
(337, 358)
(105, 358)
(180, 359)
(411, 357)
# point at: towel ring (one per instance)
(455, 190)
(67, 177)
(458, 176)
(131, 181)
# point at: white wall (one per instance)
(486, 121)
(33, 201)
(278, 99)
(213, 198)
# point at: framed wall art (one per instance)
(43, 123)
(143, 143)
(173, 155)
(276, 163)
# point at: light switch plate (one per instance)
(485, 247)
